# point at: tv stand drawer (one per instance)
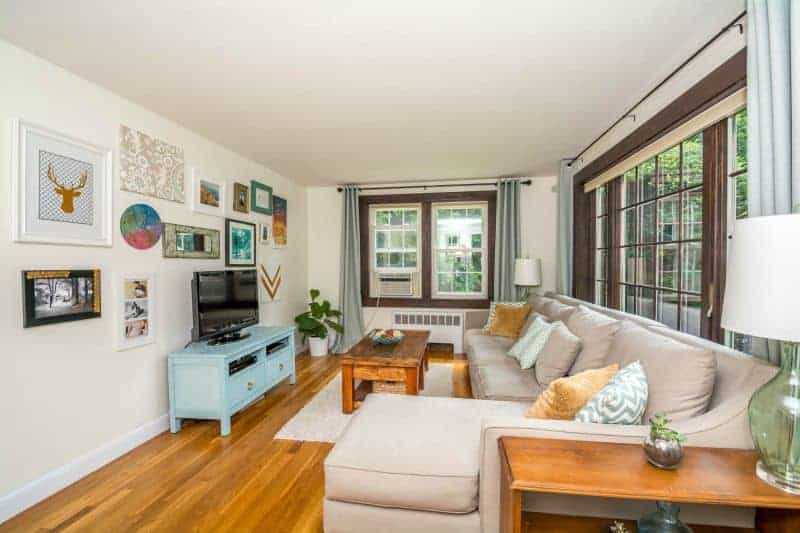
(246, 385)
(280, 365)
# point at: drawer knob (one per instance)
(250, 385)
(280, 366)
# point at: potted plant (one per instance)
(663, 446)
(314, 324)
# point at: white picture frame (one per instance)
(67, 202)
(136, 310)
(265, 233)
(202, 184)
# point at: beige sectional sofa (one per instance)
(409, 464)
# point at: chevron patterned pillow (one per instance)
(622, 401)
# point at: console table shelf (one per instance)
(215, 382)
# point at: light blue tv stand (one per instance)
(215, 382)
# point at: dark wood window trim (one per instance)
(425, 200)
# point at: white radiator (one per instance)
(446, 327)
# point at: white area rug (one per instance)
(322, 420)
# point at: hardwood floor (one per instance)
(197, 481)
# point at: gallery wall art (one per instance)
(150, 166)
(53, 296)
(265, 233)
(260, 198)
(60, 188)
(280, 222)
(208, 194)
(189, 242)
(140, 226)
(135, 321)
(240, 243)
(241, 198)
(271, 283)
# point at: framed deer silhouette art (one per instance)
(61, 188)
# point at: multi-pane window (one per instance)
(396, 231)
(661, 219)
(602, 246)
(459, 250)
(737, 191)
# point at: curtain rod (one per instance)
(735, 22)
(423, 187)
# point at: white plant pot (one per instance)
(318, 347)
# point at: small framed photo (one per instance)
(136, 312)
(240, 243)
(265, 233)
(260, 198)
(241, 198)
(53, 296)
(61, 188)
(189, 242)
(208, 194)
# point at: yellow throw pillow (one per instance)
(565, 396)
(508, 320)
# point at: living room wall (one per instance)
(67, 396)
(538, 207)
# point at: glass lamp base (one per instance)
(664, 520)
(777, 482)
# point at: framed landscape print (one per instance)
(208, 194)
(189, 242)
(61, 188)
(136, 312)
(240, 243)
(280, 221)
(241, 200)
(53, 296)
(260, 198)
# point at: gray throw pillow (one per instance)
(555, 310)
(557, 355)
(680, 377)
(596, 332)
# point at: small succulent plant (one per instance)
(618, 527)
(659, 429)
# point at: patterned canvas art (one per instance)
(150, 166)
(66, 189)
(280, 221)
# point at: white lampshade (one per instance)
(527, 272)
(762, 286)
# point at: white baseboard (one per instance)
(37, 490)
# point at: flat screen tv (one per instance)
(224, 302)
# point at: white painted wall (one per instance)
(64, 390)
(725, 47)
(538, 206)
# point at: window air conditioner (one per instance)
(395, 285)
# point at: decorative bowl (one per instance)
(386, 336)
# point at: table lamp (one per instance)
(527, 273)
(762, 295)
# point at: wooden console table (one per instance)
(713, 476)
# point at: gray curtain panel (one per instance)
(773, 118)
(507, 240)
(350, 273)
(564, 258)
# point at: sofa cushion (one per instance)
(555, 310)
(508, 320)
(596, 331)
(378, 461)
(557, 355)
(508, 382)
(483, 349)
(564, 397)
(621, 401)
(538, 302)
(680, 377)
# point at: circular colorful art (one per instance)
(140, 226)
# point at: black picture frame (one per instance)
(39, 284)
(228, 241)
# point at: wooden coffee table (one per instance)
(404, 362)
(714, 476)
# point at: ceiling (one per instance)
(328, 91)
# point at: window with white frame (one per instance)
(396, 242)
(459, 249)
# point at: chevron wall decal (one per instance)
(271, 284)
